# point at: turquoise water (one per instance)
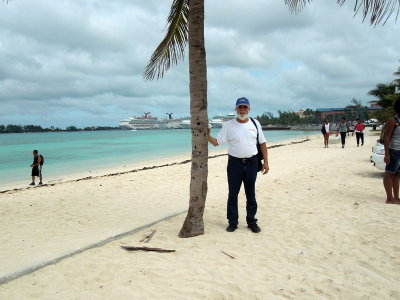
(71, 152)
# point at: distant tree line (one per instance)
(11, 128)
(290, 118)
(352, 111)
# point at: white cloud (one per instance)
(81, 63)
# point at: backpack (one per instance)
(41, 160)
(260, 156)
(382, 137)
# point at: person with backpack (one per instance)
(392, 157)
(38, 161)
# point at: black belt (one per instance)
(243, 160)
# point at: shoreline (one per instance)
(126, 168)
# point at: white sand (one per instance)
(326, 233)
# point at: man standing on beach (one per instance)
(241, 136)
(36, 167)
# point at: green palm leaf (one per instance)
(296, 5)
(377, 8)
(172, 47)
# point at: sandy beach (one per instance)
(326, 232)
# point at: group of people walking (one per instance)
(344, 129)
(391, 140)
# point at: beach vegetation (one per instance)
(352, 111)
(11, 128)
(386, 94)
(289, 118)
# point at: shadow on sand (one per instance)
(372, 174)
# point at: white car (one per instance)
(378, 154)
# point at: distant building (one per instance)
(373, 108)
(330, 111)
(300, 113)
(337, 111)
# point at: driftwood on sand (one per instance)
(231, 256)
(131, 248)
(148, 236)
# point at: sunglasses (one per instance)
(242, 106)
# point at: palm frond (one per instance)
(296, 5)
(382, 90)
(172, 47)
(380, 10)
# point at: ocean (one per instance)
(72, 152)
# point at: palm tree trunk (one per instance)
(194, 224)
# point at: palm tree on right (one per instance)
(386, 95)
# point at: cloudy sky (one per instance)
(81, 62)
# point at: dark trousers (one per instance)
(238, 172)
(358, 136)
(343, 137)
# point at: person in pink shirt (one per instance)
(359, 129)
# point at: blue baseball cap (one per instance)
(242, 101)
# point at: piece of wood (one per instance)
(228, 255)
(148, 236)
(131, 248)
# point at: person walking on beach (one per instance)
(350, 125)
(343, 129)
(392, 157)
(241, 136)
(359, 129)
(326, 131)
(37, 167)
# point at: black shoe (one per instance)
(231, 228)
(32, 183)
(40, 183)
(254, 228)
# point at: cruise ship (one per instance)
(140, 123)
(185, 124)
(170, 123)
(217, 121)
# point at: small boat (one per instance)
(271, 127)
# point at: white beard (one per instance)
(242, 117)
